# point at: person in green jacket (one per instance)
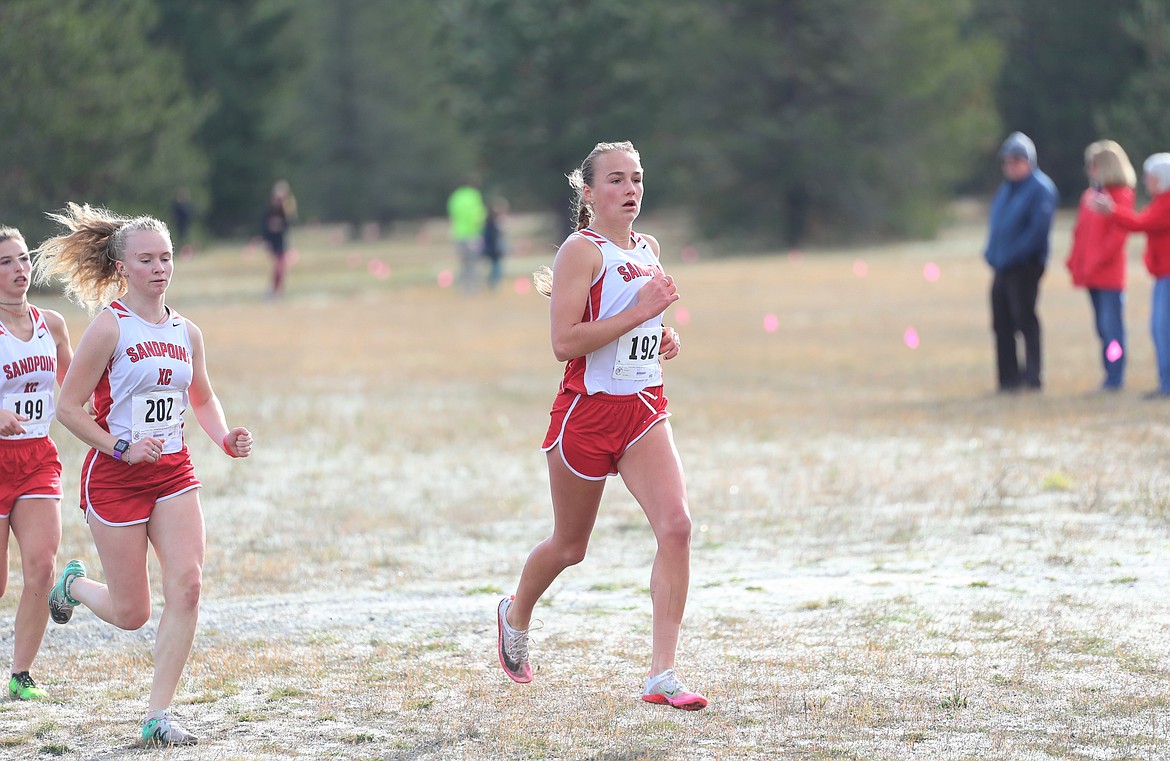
(467, 213)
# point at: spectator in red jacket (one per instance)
(1097, 259)
(1154, 221)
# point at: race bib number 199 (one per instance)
(157, 415)
(37, 407)
(637, 355)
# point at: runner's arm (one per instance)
(577, 263)
(237, 442)
(60, 333)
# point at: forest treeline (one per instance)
(772, 120)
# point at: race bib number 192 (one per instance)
(637, 355)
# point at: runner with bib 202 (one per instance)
(141, 363)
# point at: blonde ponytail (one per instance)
(84, 256)
(542, 279)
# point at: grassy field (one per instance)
(890, 560)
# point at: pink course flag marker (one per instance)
(860, 268)
(931, 272)
(1113, 351)
(682, 315)
(910, 338)
(378, 269)
(445, 279)
(522, 285)
(771, 323)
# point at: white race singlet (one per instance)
(143, 391)
(629, 364)
(28, 370)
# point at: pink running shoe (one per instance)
(666, 689)
(512, 646)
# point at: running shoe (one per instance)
(667, 689)
(161, 729)
(513, 646)
(22, 687)
(60, 603)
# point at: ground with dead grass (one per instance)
(890, 560)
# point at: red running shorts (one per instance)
(594, 431)
(118, 494)
(29, 469)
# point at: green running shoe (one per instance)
(60, 603)
(160, 728)
(22, 687)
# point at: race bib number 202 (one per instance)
(157, 415)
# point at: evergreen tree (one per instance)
(833, 119)
(1066, 64)
(92, 112)
(1139, 116)
(372, 119)
(237, 57)
(541, 83)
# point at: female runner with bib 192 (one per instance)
(34, 355)
(608, 292)
(141, 363)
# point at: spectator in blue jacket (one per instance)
(1017, 250)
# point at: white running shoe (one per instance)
(512, 646)
(161, 729)
(667, 689)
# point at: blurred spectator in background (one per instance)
(494, 243)
(1154, 221)
(466, 210)
(1017, 250)
(1097, 258)
(183, 211)
(279, 214)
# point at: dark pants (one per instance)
(1013, 310)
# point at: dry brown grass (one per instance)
(890, 562)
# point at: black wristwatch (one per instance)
(120, 448)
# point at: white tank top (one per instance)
(28, 372)
(629, 364)
(143, 391)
